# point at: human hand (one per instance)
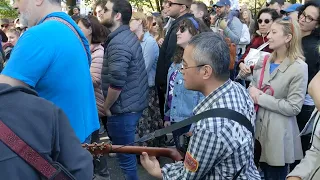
(244, 70)
(223, 24)
(151, 164)
(254, 93)
(167, 123)
(160, 42)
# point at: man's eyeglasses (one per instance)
(172, 3)
(266, 21)
(184, 68)
(307, 18)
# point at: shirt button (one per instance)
(172, 119)
(177, 83)
(174, 107)
(175, 95)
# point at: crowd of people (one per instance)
(68, 79)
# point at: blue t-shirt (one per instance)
(50, 58)
(273, 66)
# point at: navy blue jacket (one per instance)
(46, 129)
(124, 69)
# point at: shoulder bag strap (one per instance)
(71, 27)
(265, 60)
(29, 155)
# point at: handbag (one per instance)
(252, 58)
(48, 170)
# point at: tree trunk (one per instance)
(151, 5)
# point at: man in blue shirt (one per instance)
(50, 58)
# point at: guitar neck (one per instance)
(101, 149)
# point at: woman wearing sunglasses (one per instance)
(180, 102)
(263, 23)
(309, 21)
(151, 118)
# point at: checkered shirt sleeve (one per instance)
(220, 146)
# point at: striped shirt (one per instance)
(220, 147)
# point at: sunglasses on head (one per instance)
(266, 21)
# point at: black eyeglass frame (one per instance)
(266, 21)
(172, 3)
(185, 68)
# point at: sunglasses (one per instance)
(172, 3)
(266, 21)
(182, 29)
(5, 25)
(154, 24)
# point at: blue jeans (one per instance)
(121, 129)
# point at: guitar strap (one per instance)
(51, 171)
(212, 113)
(219, 112)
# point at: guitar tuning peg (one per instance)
(101, 146)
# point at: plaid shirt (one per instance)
(219, 145)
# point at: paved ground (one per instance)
(116, 173)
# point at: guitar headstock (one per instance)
(98, 149)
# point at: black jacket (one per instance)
(310, 46)
(46, 129)
(167, 51)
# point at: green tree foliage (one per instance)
(6, 10)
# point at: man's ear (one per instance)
(118, 16)
(39, 2)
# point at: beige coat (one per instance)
(311, 162)
(276, 124)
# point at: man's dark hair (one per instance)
(211, 48)
(203, 7)
(101, 3)
(280, 2)
(99, 32)
(123, 7)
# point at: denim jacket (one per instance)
(183, 100)
(150, 50)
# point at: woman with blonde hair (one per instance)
(246, 18)
(151, 118)
(155, 27)
(278, 89)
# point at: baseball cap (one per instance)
(291, 8)
(222, 3)
(155, 14)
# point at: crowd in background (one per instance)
(136, 71)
